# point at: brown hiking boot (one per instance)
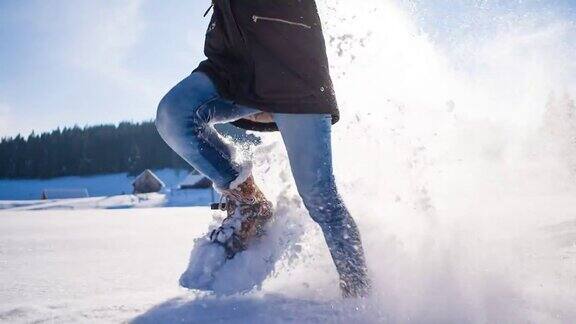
(247, 212)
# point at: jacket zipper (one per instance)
(255, 18)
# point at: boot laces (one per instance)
(234, 220)
(235, 196)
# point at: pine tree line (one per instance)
(127, 147)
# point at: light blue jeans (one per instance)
(185, 120)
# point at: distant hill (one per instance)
(103, 149)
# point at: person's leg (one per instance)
(308, 142)
(184, 120)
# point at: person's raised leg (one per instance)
(308, 142)
(185, 120)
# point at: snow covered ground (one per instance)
(107, 192)
(97, 186)
(123, 264)
(117, 265)
(110, 202)
(92, 265)
(176, 198)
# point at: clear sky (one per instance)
(87, 62)
(84, 62)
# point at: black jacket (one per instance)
(270, 55)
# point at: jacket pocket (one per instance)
(284, 58)
(256, 18)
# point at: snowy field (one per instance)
(123, 264)
(119, 265)
(92, 265)
(106, 192)
(176, 198)
(97, 186)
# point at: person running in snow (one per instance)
(266, 70)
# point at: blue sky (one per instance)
(87, 62)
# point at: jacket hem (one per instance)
(321, 106)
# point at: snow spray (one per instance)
(455, 154)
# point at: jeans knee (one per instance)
(174, 117)
(183, 113)
(164, 117)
